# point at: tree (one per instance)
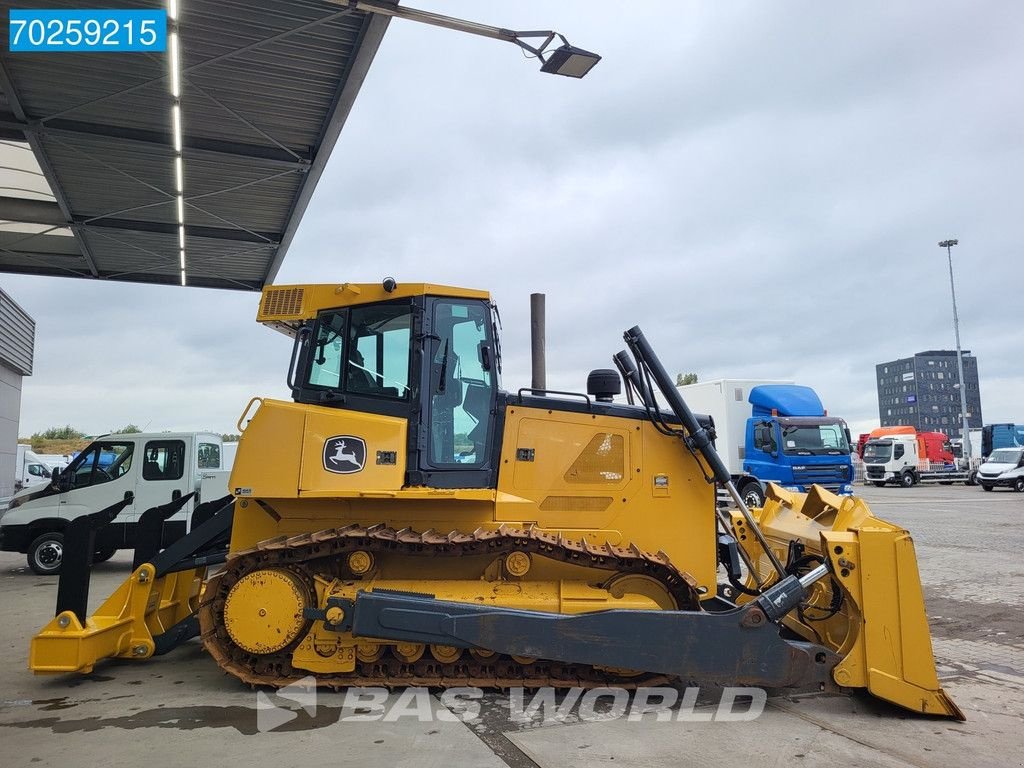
(67, 432)
(685, 378)
(128, 429)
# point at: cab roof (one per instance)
(284, 307)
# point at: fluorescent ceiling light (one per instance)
(176, 120)
(173, 49)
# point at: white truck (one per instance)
(30, 469)
(902, 459)
(153, 469)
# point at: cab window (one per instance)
(164, 460)
(378, 350)
(898, 451)
(327, 351)
(462, 384)
(101, 463)
(208, 456)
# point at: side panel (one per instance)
(270, 452)
(287, 447)
(611, 479)
(331, 463)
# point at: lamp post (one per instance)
(948, 245)
(564, 60)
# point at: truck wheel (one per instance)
(972, 478)
(1018, 486)
(102, 555)
(45, 554)
(986, 487)
(879, 483)
(752, 495)
(907, 479)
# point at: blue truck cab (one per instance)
(791, 440)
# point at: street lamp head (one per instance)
(948, 243)
(569, 61)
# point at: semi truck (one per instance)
(147, 469)
(996, 436)
(774, 431)
(903, 456)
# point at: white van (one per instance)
(1005, 467)
(155, 468)
(29, 469)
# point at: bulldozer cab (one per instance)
(430, 359)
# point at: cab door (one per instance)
(163, 477)
(103, 474)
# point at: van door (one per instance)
(100, 476)
(164, 476)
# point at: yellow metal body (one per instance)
(599, 478)
(593, 477)
(123, 627)
(881, 630)
(283, 307)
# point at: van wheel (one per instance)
(907, 479)
(102, 555)
(986, 487)
(45, 554)
(1019, 485)
(879, 483)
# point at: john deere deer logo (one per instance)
(344, 454)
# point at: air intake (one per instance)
(282, 302)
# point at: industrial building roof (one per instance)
(87, 158)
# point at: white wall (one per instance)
(10, 409)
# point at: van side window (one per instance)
(101, 463)
(209, 456)
(163, 460)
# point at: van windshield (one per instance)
(1004, 456)
(100, 463)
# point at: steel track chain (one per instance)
(321, 552)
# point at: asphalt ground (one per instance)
(179, 709)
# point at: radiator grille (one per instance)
(282, 301)
(576, 503)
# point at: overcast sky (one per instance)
(760, 186)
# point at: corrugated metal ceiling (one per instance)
(266, 87)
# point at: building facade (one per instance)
(922, 391)
(17, 343)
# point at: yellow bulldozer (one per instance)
(404, 521)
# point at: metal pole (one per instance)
(965, 425)
(537, 343)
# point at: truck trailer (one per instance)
(774, 431)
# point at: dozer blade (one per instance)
(871, 611)
(151, 612)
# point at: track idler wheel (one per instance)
(263, 611)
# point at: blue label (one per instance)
(88, 31)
